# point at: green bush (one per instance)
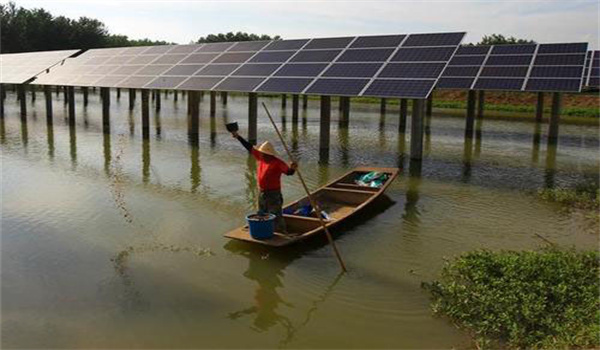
(583, 196)
(539, 300)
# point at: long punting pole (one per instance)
(310, 198)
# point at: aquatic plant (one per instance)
(117, 181)
(544, 299)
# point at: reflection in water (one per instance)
(213, 131)
(467, 159)
(343, 138)
(411, 212)
(24, 132)
(131, 119)
(50, 139)
(427, 132)
(158, 124)
(266, 270)
(323, 175)
(382, 140)
(2, 130)
(478, 134)
(145, 161)
(195, 161)
(86, 122)
(295, 138)
(324, 156)
(107, 153)
(550, 173)
(73, 145)
(537, 137)
(401, 159)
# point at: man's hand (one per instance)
(293, 165)
(234, 134)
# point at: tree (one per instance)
(239, 36)
(499, 39)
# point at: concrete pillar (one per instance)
(283, 101)
(554, 118)
(157, 100)
(194, 113)
(48, 97)
(252, 117)
(33, 94)
(304, 101)
(539, 108)
(2, 94)
(175, 94)
(416, 132)
(295, 101)
(57, 90)
(145, 114)
(131, 99)
(471, 95)
(213, 102)
(382, 106)
(345, 109)
(118, 93)
(71, 97)
(21, 96)
(224, 97)
(85, 96)
(403, 113)
(480, 104)
(105, 92)
(325, 123)
(66, 95)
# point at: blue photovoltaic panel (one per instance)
(509, 60)
(285, 85)
(259, 70)
(439, 54)
(365, 55)
(466, 61)
(339, 87)
(513, 49)
(286, 45)
(556, 71)
(553, 85)
(301, 69)
(200, 83)
(455, 83)
(473, 50)
(560, 60)
(361, 70)
(500, 71)
(378, 41)
(331, 66)
(315, 56)
(238, 84)
(329, 43)
(499, 84)
(273, 57)
(562, 48)
(412, 70)
(394, 88)
(436, 39)
(461, 71)
(218, 69)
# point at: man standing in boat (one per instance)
(270, 169)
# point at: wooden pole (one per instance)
(48, 96)
(213, 102)
(145, 115)
(21, 95)
(325, 123)
(554, 118)
(470, 113)
(85, 96)
(310, 198)
(131, 99)
(295, 101)
(252, 117)
(403, 112)
(382, 106)
(416, 134)
(539, 108)
(304, 101)
(105, 92)
(71, 96)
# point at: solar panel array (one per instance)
(18, 68)
(591, 74)
(405, 65)
(529, 67)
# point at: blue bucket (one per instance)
(261, 228)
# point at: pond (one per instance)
(109, 241)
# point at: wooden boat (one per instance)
(340, 199)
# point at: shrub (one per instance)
(539, 300)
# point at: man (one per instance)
(270, 169)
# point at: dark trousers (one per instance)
(272, 202)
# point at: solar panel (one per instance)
(338, 87)
(18, 68)
(592, 79)
(348, 66)
(285, 85)
(511, 67)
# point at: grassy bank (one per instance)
(540, 300)
(583, 198)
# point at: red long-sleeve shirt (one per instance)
(270, 168)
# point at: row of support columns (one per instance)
(421, 110)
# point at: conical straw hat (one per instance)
(267, 148)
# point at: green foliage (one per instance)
(523, 300)
(499, 39)
(231, 36)
(583, 196)
(24, 30)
